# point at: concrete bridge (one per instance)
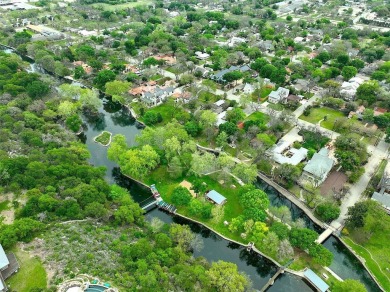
(272, 280)
(324, 235)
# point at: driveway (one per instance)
(299, 111)
(355, 193)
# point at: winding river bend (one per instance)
(117, 120)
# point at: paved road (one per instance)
(355, 193)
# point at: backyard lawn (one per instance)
(262, 93)
(30, 275)
(232, 208)
(318, 114)
(258, 116)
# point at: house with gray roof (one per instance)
(248, 88)
(279, 95)
(218, 77)
(266, 45)
(317, 169)
(383, 199)
(156, 97)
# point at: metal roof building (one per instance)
(316, 281)
(216, 197)
(4, 262)
(383, 199)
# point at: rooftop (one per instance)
(320, 164)
(383, 199)
(4, 262)
(315, 280)
(216, 197)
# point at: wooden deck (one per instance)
(12, 268)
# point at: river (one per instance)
(117, 120)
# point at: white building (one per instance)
(348, 89)
(279, 95)
(202, 56)
(283, 153)
(248, 88)
(317, 169)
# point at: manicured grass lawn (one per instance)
(258, 116)
(156, 77)
(318, 114)
(4, 206)
(30, 275)
(263, 92)
(380, 253)
(106, 6)
(276, 106)
(232, 208)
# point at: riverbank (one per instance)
(369, 263)
(100, 152)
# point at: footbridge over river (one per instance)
(273, 278)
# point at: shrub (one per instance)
(328, 211)
(151, 118)
(354, 176)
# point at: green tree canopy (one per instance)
(181, 196)
(224, 276)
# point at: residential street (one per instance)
(378, 153)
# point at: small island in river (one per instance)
(104, 138)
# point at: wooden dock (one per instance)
(147, 206)
(166, 206)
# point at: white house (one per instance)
(279, 95)
(283, 153)
(156, 97)
(235, 40)
(318, 168)
(348, 89)
(202, 56)
(248, 88)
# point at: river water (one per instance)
(117, 120)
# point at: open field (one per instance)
(105, 6)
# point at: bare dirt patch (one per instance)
(188, 186)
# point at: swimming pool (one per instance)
(95, 288)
